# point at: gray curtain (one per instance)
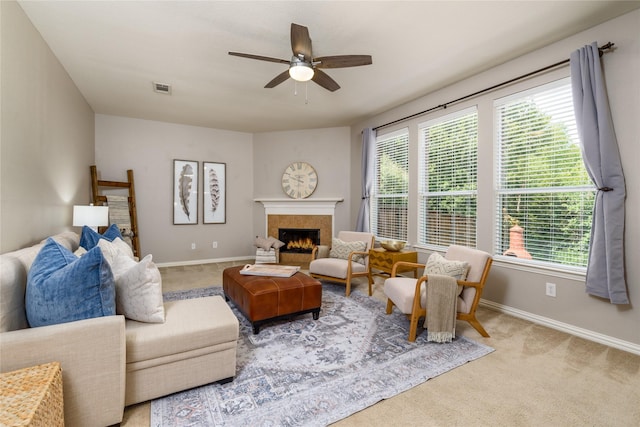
(605, 269)
(368, 160)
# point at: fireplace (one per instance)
(309, 213)
(299, 240)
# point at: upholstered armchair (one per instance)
(347, 258)
(409, 294)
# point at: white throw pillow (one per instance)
(275, 243)
(80, 251)
(114, 249)
(263, 243)
(123, 247)
(341, 249)
(138, 284)
(437, 264)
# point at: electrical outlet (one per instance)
(214, 245)
(193, 246)
(551, 289)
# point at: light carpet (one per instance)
(307, 372)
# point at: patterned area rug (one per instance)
(309, 372)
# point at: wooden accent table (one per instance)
(383, 260)
(32, 396)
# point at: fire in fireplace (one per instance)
(299, 240)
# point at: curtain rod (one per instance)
(602, 50)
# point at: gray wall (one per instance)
(47, 137)
(254, 167)
(517, 288)
(327, 150)
(149, 148)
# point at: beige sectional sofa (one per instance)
(110, 362)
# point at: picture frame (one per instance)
(214, 193)
(185, 192)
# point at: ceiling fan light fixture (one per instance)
(303, 65)
(301, 72)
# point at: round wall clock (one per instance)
(299, 180)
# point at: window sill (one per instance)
(571, 273)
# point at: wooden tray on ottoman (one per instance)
(265, 298)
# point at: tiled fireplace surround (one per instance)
(302, 213)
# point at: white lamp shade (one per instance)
(301, 72)
(92, 216)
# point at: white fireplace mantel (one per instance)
(310, 206)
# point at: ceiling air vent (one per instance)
(162, 88)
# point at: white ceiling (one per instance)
(114, 50)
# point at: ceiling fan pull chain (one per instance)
(306, 93)
(295, 88)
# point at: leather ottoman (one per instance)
(266, 298)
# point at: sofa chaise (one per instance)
(111, 362)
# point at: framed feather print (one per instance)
(185, 192)
(214, 193)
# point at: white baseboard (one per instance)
(564, 327)
(204, 261)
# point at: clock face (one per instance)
(299, 180)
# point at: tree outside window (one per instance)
(391, 188)
(448, 180)
(543, 187)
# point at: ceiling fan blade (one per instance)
(258, 57)
(342, 61)
(323, 79)
(278, 79)
(300, 41)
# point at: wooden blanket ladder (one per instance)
(100, 200)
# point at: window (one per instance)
(391, 186)
(448, 180)
(544, 195)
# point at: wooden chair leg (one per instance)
(478, 327)
(348, 292)
(389, 306)
(413, 328)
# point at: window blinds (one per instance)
(448, 179)
(544, 195)
(391, 187)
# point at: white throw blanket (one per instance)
(442, 299)
(266, 257)
(120, 215)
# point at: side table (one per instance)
(32, 396)
(383, 260)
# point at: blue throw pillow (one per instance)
(89, 237)
(63, 288)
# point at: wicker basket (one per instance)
(32, 396)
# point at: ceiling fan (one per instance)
(303, 66)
